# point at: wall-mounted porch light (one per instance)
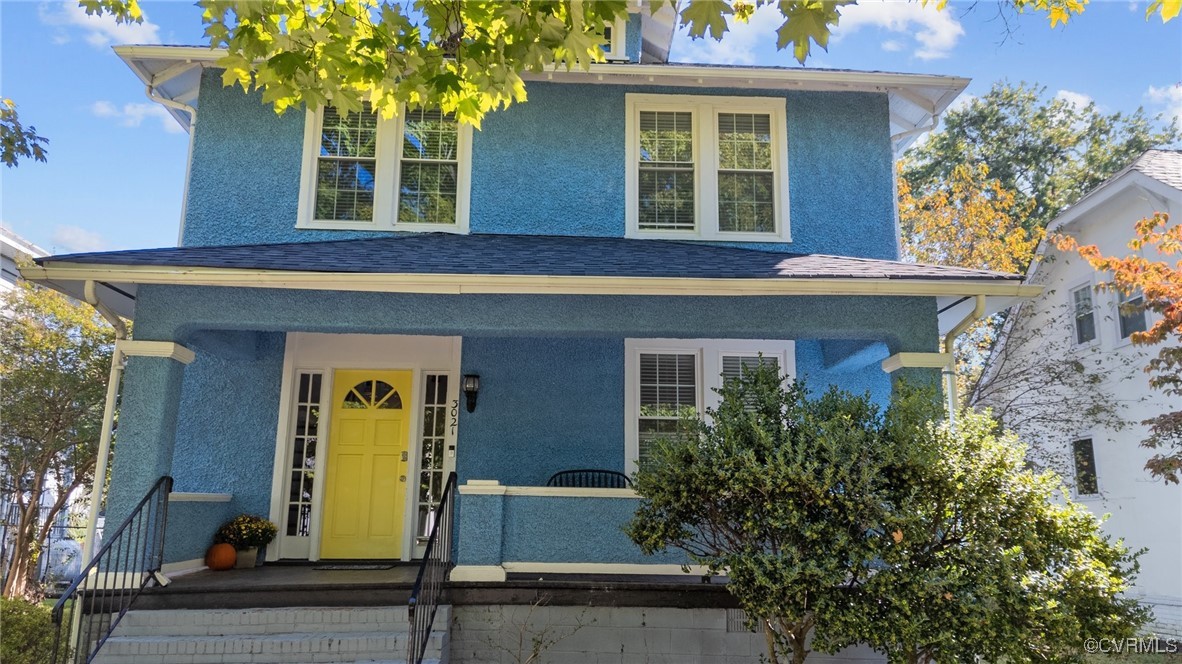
(471, 389)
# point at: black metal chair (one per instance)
(590, 479)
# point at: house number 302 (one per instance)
(455, 414)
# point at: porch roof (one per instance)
(483, 263)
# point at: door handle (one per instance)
(402, 478)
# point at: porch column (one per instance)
(147, 424)
(480, 531)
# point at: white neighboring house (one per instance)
(14, 249)
(1106, 466)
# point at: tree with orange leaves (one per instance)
(1160, 283)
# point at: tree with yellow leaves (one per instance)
(971, 222)
(1160, 283)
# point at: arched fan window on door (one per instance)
(373, 394)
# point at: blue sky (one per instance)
(117, 161)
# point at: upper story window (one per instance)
(613, 34)
(363, 172)
(1131, 313)
(1084, 314)
(711, 168)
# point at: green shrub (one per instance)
(26, 632)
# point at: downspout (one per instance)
(949, 343)
(185, 108)
(104, 448)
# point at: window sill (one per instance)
(380, 228)
(714, 237)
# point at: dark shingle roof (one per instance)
(528, 255)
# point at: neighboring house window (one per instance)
(707, 167)
(364, 172)
(669, 379)
(1084, 455)
(1131, 313)
(1084, 313)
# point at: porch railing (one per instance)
(424, 598)
(92, 606)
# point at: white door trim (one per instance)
(327, 353)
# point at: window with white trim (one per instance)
(707, 167)
(1131, 313)
(613, 35)
(1083, 314)
(365, 172)
(668, 379)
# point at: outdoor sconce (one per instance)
(471, 389)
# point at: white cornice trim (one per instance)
(463, 284)
(676, 74)
(166, 349)
(601, 568)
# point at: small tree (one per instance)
(1160, 284)
(989, 562)
(781, 492)
(53, 365)
(848, 525)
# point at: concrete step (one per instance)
(224, 622)
(310, 635)
(321, 647)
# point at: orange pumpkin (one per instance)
(220, 556)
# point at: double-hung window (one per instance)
(364, 172)
(1083, 314)
(671, 379)
(711, 168)
(1131, 313)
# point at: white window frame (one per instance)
(709, 353)
(1118, 300)
(705, 110)
(1095, 314)
(386, 179)
(617, 48)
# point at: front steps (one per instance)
(304, 635)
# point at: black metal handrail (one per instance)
(424, 599)
(103, 591)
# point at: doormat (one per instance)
(347, 567)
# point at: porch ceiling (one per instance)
(483, 264)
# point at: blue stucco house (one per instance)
(598, 257)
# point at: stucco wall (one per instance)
(551, 371)
(554, 165)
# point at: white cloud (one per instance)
(98, 31)
(134, 115)
(1166, 99)
(75, 239)
(738, 44)
(892, 46)
(1077, 100)
(961, 102)
(935, 32)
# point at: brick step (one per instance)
(329, 647)
(224, 622)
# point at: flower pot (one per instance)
(247, 558)
(220, 557)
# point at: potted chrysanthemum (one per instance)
(246, 533)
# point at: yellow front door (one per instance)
(365, 491)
